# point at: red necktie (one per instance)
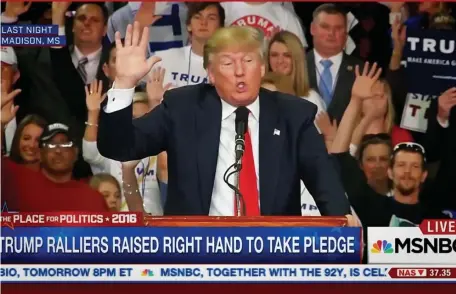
(248, 180)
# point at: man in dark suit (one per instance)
(196, 126)
(331, 71)
(51, 80)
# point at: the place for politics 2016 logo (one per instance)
(382, 246)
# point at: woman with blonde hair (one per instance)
(382, 122)
(375, 117)
(285, 55)
(109, 187)
(277, 82)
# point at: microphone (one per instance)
(242, 119)
(241, 123)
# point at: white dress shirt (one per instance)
(93, 59)
(223, 198)
(91, 66)
(336, 62)
(146, 173)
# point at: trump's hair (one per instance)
(235, 37)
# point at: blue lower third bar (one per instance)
(33, 41)
(184, 245)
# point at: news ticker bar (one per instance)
(225, 273)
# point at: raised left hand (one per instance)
(8, 109)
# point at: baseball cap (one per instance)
(8, 55)
(53, 129)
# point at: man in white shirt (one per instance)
(184, 66)
(199, 132)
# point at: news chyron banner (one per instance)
(118, 247)
(25, 35)
(432, 242)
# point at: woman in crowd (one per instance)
(380, 120)
(286, 56)
(277, 82)
(25, 147)
(109, 187)
(146, 169)
(374, 156)
(383, 120)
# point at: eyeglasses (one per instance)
(410, 146)
(59, 145)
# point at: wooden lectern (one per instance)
(261, 221)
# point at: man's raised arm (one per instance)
(119, 136)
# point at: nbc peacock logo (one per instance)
(147, 273)
(382, 246)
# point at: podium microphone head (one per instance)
(242, 119)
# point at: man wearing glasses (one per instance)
(58, 153)
(411, 201)
(52, 189)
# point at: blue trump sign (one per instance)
(431, 70)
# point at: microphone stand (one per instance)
(237, 191)
(240, 207)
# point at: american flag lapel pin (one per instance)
(276, 132)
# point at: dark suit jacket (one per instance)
(342, 90)
(52, 88)
(440, 145)
(187, 125)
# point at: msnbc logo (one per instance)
(382, 246)
(147, 273)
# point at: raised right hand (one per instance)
(362, 87)
(58, 12)
(14, 9)
(155, 88)
(7, 105)
(131, 62)
(446, 101)
(398, 34)
(146, 14)
(396, 6)
(94, 95)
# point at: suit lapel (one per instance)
(343, 81)
(312, 72)
(271, 136)
(208, 124)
